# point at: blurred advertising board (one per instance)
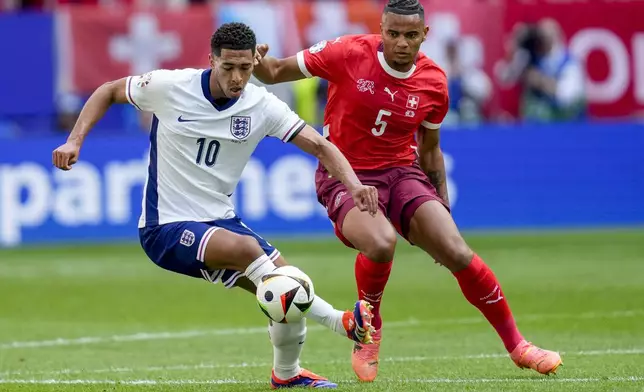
(500, 178)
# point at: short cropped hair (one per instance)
(235, 36)
(405, 7)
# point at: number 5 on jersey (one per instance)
(381, 123)
(212, 150)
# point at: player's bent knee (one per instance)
(382, 247)
(375, 237)
(458, 254)
(247, 249)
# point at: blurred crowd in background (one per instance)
(537, 61)
(39, 5)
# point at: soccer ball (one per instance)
(285, 295)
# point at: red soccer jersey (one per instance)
(374, 111)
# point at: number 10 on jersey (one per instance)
(212, 150)
(382, 124)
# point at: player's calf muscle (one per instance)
(245, 284)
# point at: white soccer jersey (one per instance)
(198, 150)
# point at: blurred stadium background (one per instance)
(544, 149)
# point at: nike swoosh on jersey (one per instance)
(180, 119)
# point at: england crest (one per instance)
(144, 80)
(240, 126)
(187, 238)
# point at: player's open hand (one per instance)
(366, 198)
(65, 156)
(260, 52)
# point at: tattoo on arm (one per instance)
(437, 179)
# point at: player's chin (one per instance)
(403, 60)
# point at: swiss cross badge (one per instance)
(317, 47)
(412, 102)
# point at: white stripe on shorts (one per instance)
(274, 255)
(201, 252)
(216, 275)
(233, 278)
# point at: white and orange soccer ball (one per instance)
(285, 295)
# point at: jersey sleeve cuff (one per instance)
(302, 64)
(293, 131)
(128, 92)
(430, 125)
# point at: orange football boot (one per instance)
(528, 356)
(364, 358)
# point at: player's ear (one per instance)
(211, 60)
(426, 30)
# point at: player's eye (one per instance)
(393, 34)
(228, 68)
(412, 35)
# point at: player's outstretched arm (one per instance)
(109, 93)
(310, 141)
(271, 70)
(431, 159)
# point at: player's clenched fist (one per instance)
(366, 198)
(65, 156)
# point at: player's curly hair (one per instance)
(235, 36)
(405, 7)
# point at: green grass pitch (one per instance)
(104, 318)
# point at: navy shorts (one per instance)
(181, 246)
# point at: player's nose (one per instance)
(402, 44)
(238, 78)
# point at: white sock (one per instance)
(325, 314)
(258, 268)
(288, 342)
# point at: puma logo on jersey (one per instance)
(390, 93)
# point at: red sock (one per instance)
(372, 278)
(482, 289)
